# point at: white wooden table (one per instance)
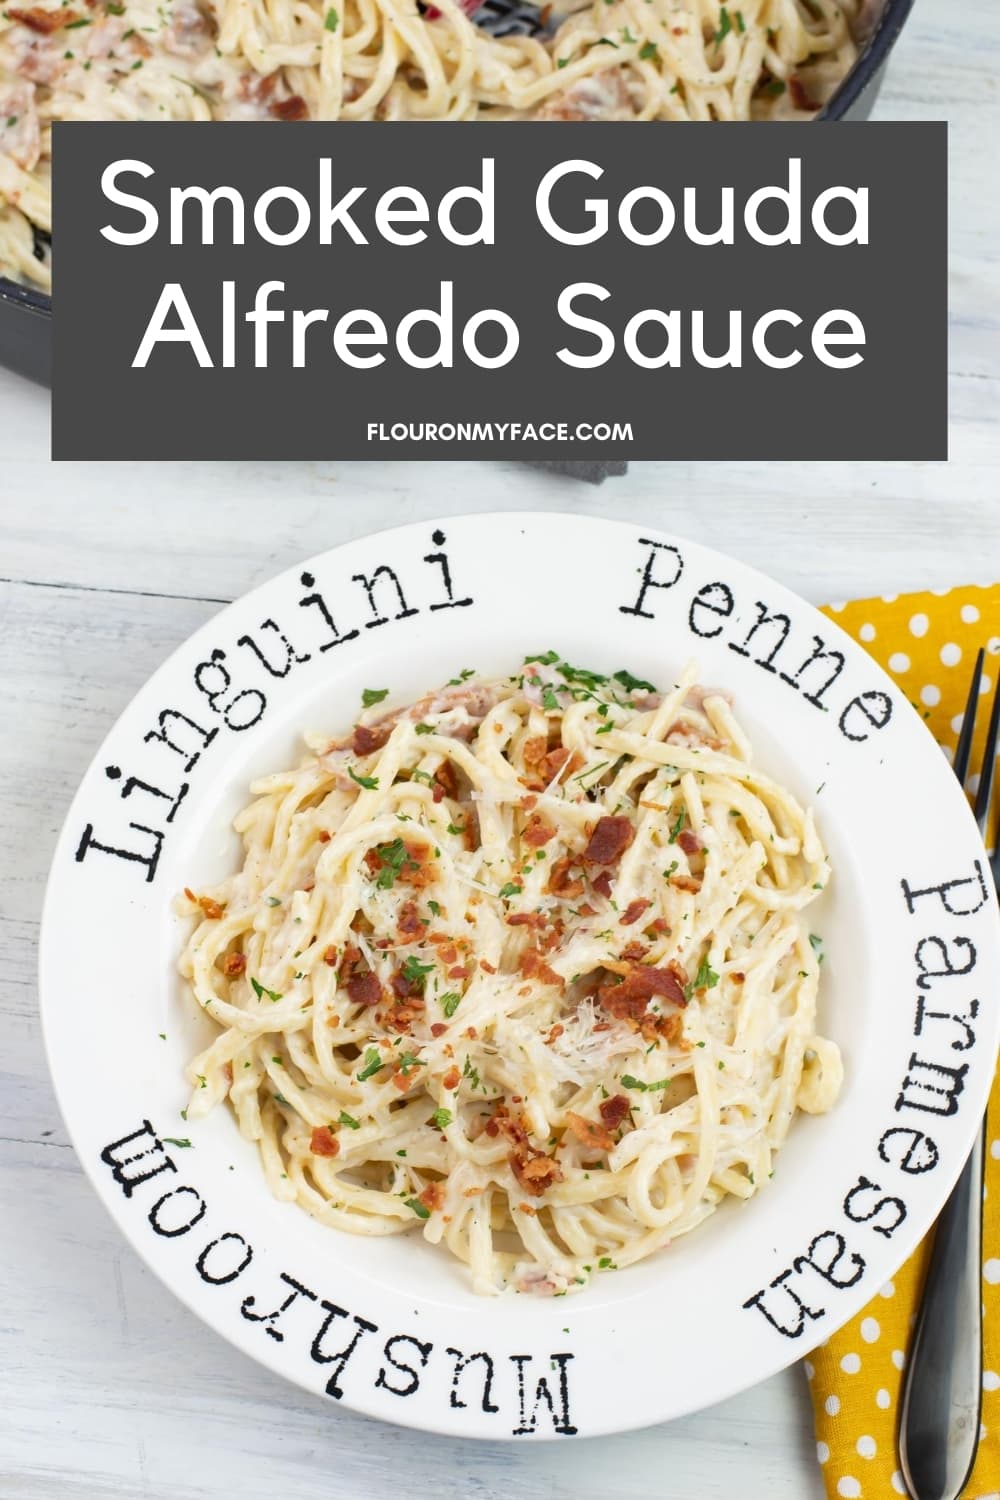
(108, 1387)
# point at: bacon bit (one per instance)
(526, 1208)
(364, 989)
(533, 966)
(661, 927)
(402, 1081)
(602, 885)
(409, 919)
(543, 765)
(43, 21)
(211, 909)
(365, 741)
(555, 1032)
(324, 837)
(609, 839)
(603, 1026)
(527, 919)
(537, 831)
(689, 883)
(323, 1142)
(535, 750)
(446, 779)
(471, 1033)
(737, 977)
(689, 842)
(451, 1079)
(333, 1021)
(330, 955)
(448, 954)
(529, 802)
(417, 870)
(432, 1196)
(293, 108)
(586, 910)
(486, 966)
(472, 1192)
(459, 972)
(613, 1110)
(310, 885)
(796, 89)
(535, 1172)
(559, 881)
(634, 951)
(233, 964)
(628, 1001)
(634, 911)
(589, 1133)
(437, 792)
(438, 1028)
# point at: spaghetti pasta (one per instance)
(392, 60)
(524, 964)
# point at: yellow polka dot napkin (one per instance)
(928, 643)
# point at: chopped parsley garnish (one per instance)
(581, 675)
(725, 25)
(606, 1264)
(415, 972)
(629, 1082)
(421, 1211)
(705, 979)
(174, 1140)
(774, 87)
(434, 908)
(273, 901)
(450, 1003)
(369, 696)
(816, 944)
(510, 889)
(670, 869)
(424, 728)
(562, 62)
(75, 25)
(408, 1062)
(332, 20)
(675, 831)
(373, 1062)
(627, 35)
(345, 1119)
(394, 857)
(370, 783)
(471, 1073)
(629, 682)
(456, 827)
(440, 1118)
(549, 700)
(547, 658)
(418, 775)
(463, 676)
(647, 52)
(260, 990)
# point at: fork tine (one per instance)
(989, 764)
(964, 747)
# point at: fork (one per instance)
(943, 1384)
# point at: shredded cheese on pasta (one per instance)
(524, 966)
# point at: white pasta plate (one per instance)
(391, 1324)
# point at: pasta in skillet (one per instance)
(393, 60)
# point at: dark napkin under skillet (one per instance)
(591, 470)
